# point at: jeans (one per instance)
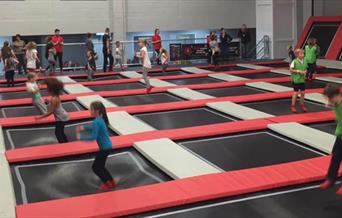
(107, 56)
(59, 57)
(22, 63)
(145, 77)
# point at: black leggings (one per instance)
(99, 166)
(59, 56)
(311, 70)
(335, 161)
(59, 132)
(9, 75)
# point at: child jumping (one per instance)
(164, 59)
(98, 131)
(298, 71)
(55, 87)
(91, 64)
(143, 55)
(334, 97)
(311, 57)
(33, 89)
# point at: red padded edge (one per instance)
(180, 192)
(336, 45)
(72, 148)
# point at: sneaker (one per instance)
(304, 109)
(111, 184)
(339, 191)
(293, 109)
(326, 184)
(148, 90)
(104, 187)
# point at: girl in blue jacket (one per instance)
(98, 131)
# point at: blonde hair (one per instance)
(298, 51)
(142, 41)
(31, 45)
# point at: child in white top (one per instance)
(33, 89)
(146, 63)
(32, 57)
(118, 55)
(164, 59)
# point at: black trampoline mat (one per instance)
(282, 106)
(116, 87)
(328, 70)
(231, 91)
(73, 176)
(18, 95)
(32, 111)
(203, 80)
(183, 118)
(306, 201)
(168, 73)
(143, 99)
(324, 33)
(232, 68)
(276, 65)
(19, 137)
(262, 75)
(248, 150)
(315, 84)
(325, 127)
(100, 78)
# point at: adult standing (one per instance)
(18, 47)
(225, 38)
(156, 41)
(107, 51)
(58, 43)
(245, 38)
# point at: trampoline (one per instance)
(282, 106)
(51, 179)
(167, 73)
(191, 81)
(143, 99)
(325, 70)
(324, 33)
(27, 136)
(19, 95)
(231, 91)
(183, 118)
(315, 84)
(30, 110)
(117, 87)
(262, 75)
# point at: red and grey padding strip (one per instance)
(180, 192)
(30, 120)
(124, 141)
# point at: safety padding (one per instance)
(189, 94)
(86, 101)
(163, 153)
(76, 89)
(195, 70)
(131, 74)
(252, 66)
(226, 77)
(65, 79)
(281, 71)
(269, 87)
(316, 97)
(123, 123)
(330, 79)
(330, 63)
(180, 192)
(317, 139)
(239, 111)
(158, 83)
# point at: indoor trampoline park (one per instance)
(143, 108)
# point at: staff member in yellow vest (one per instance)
(298, 71)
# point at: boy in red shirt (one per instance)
(156, 41)
(58, 42)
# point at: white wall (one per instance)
(39, 17)
(145, 15)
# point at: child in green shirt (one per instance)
(298, 71)
(334, 97)
(311, 57)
